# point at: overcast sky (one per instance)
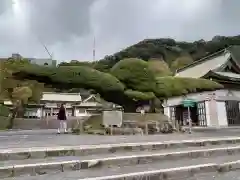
(68, 27)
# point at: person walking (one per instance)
(62, 119)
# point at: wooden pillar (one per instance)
(111, 130)
(146, 128)
(51, 112)
(157, 126)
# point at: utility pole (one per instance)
(45, 47)
(50, 55)
(94, 49)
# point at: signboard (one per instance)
(112, 118)
(188, 102)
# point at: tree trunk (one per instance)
(18, 108)
(12, 118)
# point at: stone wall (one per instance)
(147, 117)
(52, 123)
(49, 123)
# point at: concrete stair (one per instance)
(151, 160)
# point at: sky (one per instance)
(68, 27)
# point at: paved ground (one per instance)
(43, 138)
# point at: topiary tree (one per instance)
(135, 74)
(65, 78)
(159, 67)
(139, 96)
(19, 97)
(176, 86)
(130, 84)
(181, 62)
(138, 79)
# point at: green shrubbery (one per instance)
(69, 77)
(176, 86)
(129, 81)
(159, 67)
(181, 62)
(4, 111)
(137, 95)
(135, 74)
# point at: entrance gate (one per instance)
(233, 116)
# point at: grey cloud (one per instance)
(59, 20)
(68, 26)
(4, 5)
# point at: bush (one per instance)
(181, 62)
(176, 86)
(72, 77)
(137, 95)
(135, 74)
(159, 67)
(4, 111)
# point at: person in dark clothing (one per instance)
(62, 119)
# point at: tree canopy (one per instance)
(181, 62)
(129, 82)
(176, 86)
(135, 74)
(159, 67)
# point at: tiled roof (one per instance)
(65, 97)
(210, 63)
(235, 53)
(229, 74)
(201, 68)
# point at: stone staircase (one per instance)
(146, 160)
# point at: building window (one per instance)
(232, 109)
(202, 120)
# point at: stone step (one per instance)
(73, 163)
(83, 150)
(173, 170)
(231, 175)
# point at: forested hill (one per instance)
(168, 50)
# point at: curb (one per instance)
(73, 165)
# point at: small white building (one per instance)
(218, 108)
(51, 101)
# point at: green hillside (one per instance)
(166, 49)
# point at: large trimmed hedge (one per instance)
(131, 81)
(159, 67)
(181, 62)
(139, 96)
(69, 77)
(176, 86)
(135, 74)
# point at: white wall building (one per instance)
(51, 101)
(210, 110)
(218, 108)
